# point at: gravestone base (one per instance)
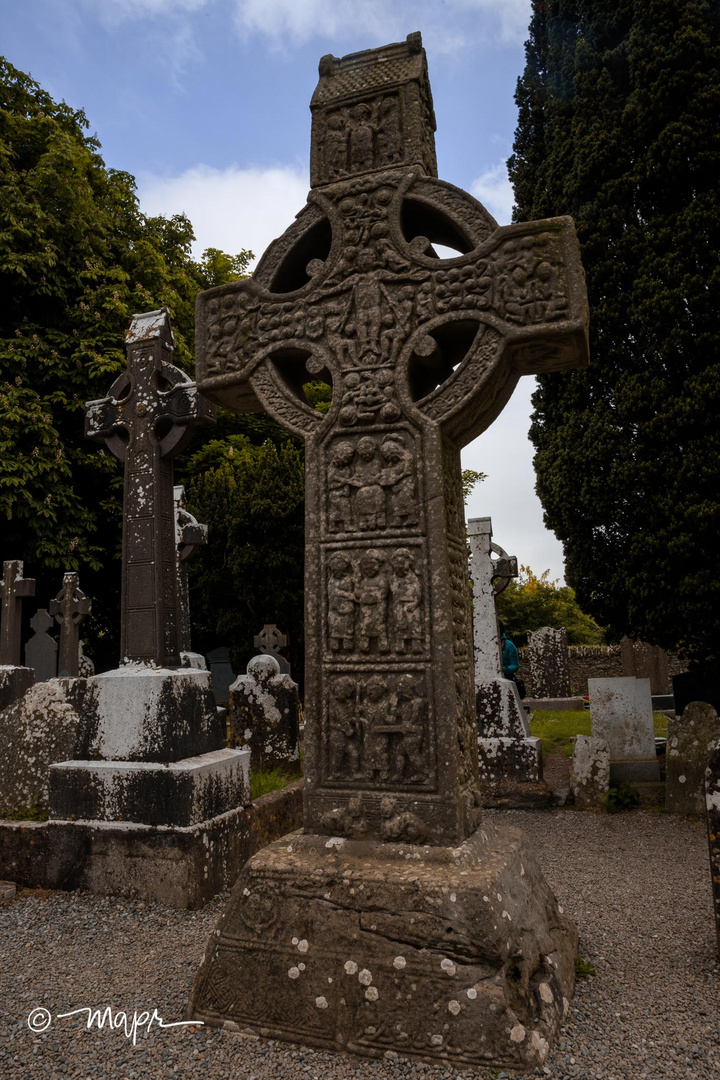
(635, 771)
(14, 681)
(180, 793)
(558, 704)
(453, 955)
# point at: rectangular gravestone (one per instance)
(621, 714)
(422, 353)
(549, 663)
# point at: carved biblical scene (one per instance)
(362, 137)
(377, 729)
(375, 602)
(372, 483)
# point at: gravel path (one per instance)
(637, 885)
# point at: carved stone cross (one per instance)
(189, 535)
(422, 353)
(70, 607)
(146, 420)
(14, 589)
(270, 640)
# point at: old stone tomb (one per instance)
(621, 714)
(397, 921)
(508, 755)
(690, 739)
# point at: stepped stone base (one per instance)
(178, 793)
(447, 955)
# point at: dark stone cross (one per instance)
(423, 352)
(270, 641)
(70, 607)
(14, 589)
(41, 649)
(189, 535)
(146, 420)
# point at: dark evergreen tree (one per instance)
(618, 126)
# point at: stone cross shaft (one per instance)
(189, 535)
(15, 588)
(489, 576)
(422, 353)
(70, 607)
(146, 420)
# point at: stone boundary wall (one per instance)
(591, 662)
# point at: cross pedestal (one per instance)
(422, 353)
(14, 679)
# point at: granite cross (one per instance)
(70, 607)
(270, 641)
(14, 588)
(422, 353)
(189, 535)
(146, 420)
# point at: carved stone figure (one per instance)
(423, 353)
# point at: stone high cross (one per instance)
(14, 588)
(146, 420)
(422, 352)
(490, 577)
(70, 607)
(270, 641)
(189, 535)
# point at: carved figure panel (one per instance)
(377, 729)
(375, 602)
(372, 482)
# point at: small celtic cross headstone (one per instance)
(422, 353)
(189, 535)
(41, 649)
(146, 420)
(70, 607)
(15, 588)
(270, 641)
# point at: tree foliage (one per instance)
(530, 602)
(618, 109)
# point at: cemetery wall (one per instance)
(591, 662)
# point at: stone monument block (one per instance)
(265, 715)
(422, 354)
(645, 661)
(690, 740)
(621, 714)
(41, 649)
(590, 771)
(712, 810)
(549, 663)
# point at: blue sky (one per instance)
(206, 103)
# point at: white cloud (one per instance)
(229, 208)
(115, 11)
(494, 190)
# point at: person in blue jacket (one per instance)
(510, 659)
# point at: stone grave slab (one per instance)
(690, 739)
(549, 663)
(621, 715)
(590, 778)
(265, 715)
(422, 354)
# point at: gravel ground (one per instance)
(637, 885)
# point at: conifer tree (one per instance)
(618, 126)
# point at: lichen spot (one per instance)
(321, 1002)
(472, 993)
(301, 967)
(546, 992)
(541, 1045)
(246, 892)
(682, 779)
(350, 967)
(453, 897)
(295, 941)
(436, 1040)
(371, 993)
(302, 946)
(294, 973)
(399, 962)
(448, 966)
(566, 1007)
(454, 1007)
(365, 977)
(517, 1034)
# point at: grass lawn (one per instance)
(557, 729)
(262, 782)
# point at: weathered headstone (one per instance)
(690, 739)
(590, 778)
(70, 607)
(644, 661)
(146, 420)
(265, 715)
(221, 673)
(270, 640)
(159, 744)
(507, 753)
(549, 663)
(422, 354)
(712, 810)
(621, 714)
(189, 535)
(14, 679)
(41, 649)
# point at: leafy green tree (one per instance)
(618, 126)
(530, 602)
